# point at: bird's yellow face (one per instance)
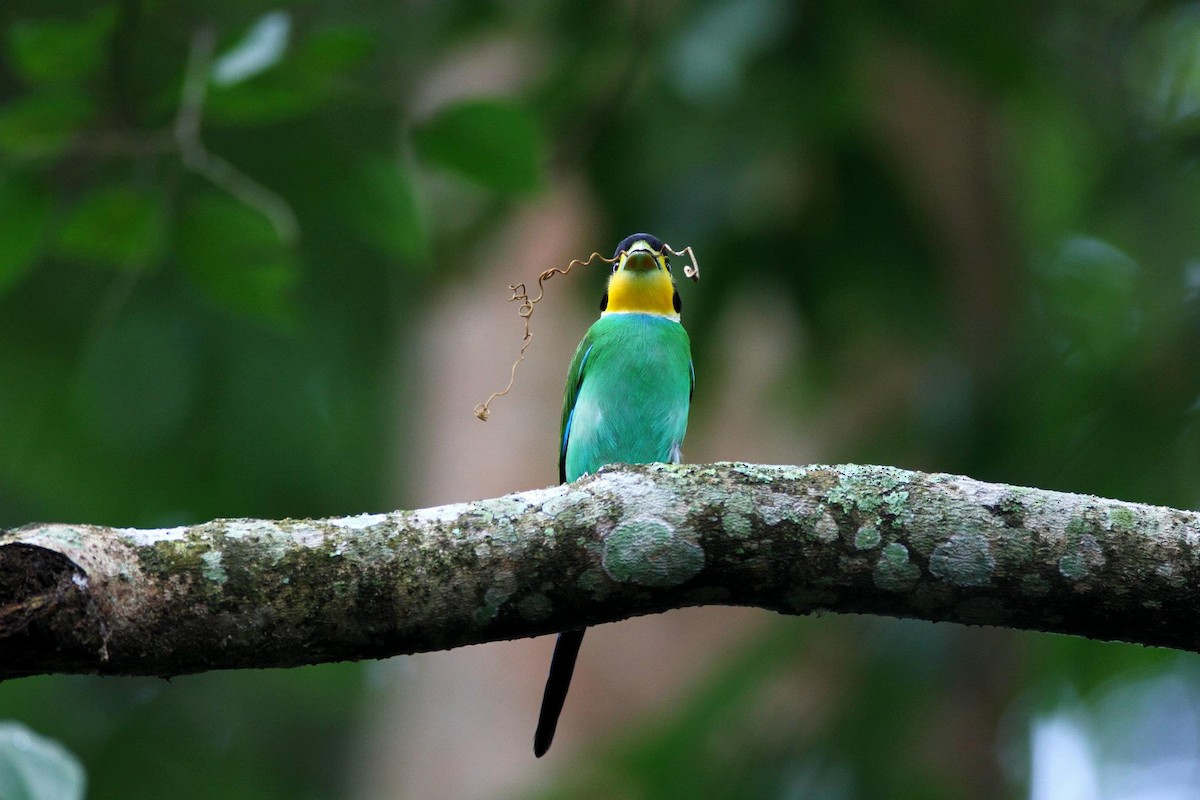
(641, 282)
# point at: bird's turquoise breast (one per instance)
(634, 392)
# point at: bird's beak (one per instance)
(641, 257)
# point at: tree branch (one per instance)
(628, 541)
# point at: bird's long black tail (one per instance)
(562, 666)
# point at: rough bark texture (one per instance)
(628, 541)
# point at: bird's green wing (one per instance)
(574, 381)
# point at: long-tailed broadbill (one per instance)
(628, 392)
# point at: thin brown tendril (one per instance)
(525, 310)
(691, 270)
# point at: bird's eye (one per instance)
(616, 266)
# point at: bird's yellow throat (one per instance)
(649, 292)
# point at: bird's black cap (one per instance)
(628, 241)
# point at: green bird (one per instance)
(627, 398)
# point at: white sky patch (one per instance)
(1063, 765)
(1136, 739)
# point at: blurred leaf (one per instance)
(60, 51)
(1088, 295)
(24, 208)
(298, 84)
(709, 57)
(33, 767)
(493, 143)
(260, 49)
(115, 226)
(43, 122)
(384, 209)
(233, 253)
(1164, 68)
(267, 98)
(1057, 162)
(337, 49)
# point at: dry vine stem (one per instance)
(525, 310)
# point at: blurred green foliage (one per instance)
(1001, 198)
(494, 144)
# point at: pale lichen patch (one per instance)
(649, 552)
(895, 503)
(593, 582)
(508, 507)
(573, 499)
(309, 535)
(359, 522)
(149, 538)
(1171, 576)
(1045, 513)
(213, 571)
(257, 529)
(493, 599)
(751, 473)
(739, 511)
(1014, 550)
(637, 490)
(273, 538)
(1081, 558)
(870, 489)
(505, 532)
(444, 514)
(1121, 518)
(965, 559)
(1192, 536)
(866, 537)
(825, 528)
(894, 572)
(983, 494)
(778, 507)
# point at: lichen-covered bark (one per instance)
(628, 541)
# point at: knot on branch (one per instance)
(45, 607)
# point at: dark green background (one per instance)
(999, 199)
